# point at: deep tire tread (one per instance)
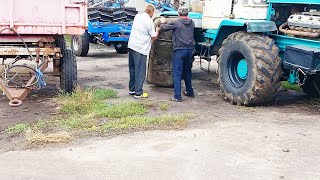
(267, 72)
(68, 65)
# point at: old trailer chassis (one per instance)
(42, 56)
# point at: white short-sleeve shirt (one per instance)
(141, 33)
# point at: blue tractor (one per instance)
(110, 23)
(257, 44)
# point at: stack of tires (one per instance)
(111, 15)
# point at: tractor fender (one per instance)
(228, 26)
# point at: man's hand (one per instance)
(163, 20)
(157, 32)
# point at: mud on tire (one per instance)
(263, 69)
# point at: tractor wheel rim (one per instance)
(237, 70)
(75, 43)
(242, 69)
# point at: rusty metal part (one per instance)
(284, 29)
(37, 55)
(15, 95)
(15, 103)
(21, 51)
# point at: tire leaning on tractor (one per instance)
(80, 44)
(249, 69)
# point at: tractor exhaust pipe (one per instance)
(284, 29)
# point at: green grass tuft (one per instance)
(287, 86)
(102, 94)
(164, 107)
(143, 122)
(79, 122)
(121, 110)
(18, 128)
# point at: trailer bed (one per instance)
(41, 17)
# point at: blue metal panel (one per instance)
(295, 1)
(106, 28)
(251, 25)
(283, 41)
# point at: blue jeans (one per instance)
(182, 64)
(137, 70)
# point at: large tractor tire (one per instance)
(312, 86)
(68, 67)
(249, 69)
(121, 47)
(80, 44)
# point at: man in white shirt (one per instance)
(142, 33)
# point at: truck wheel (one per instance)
(121, 48)
(249, 69)
(80, 44)
(312, 86)
(68, 66)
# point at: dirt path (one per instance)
(280, 141)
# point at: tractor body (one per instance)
(258, 43)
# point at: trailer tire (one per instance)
(80, 44)
(68, 67)
(60, 43)
(121, 47)
(249, 69)
(312, 86)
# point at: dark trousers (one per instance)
(137, 69)
(182, 64)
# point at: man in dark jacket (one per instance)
(183, 44)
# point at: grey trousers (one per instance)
(137, 70)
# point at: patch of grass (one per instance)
(143, 122)
(87, 122)
(79, 102)
(121, 110)
(82, 113)
(18, 128)
(84, 101)
(164, 107)
(102, 94)
(287, 86)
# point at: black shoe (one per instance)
(175, 100)
(189, 95)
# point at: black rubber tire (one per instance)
(312, 86)
(60, 42)
(264, 68)
(121, 47)
(68, 67)
(80, 44)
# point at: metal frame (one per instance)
(106, 29)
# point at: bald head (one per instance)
(150, 9)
